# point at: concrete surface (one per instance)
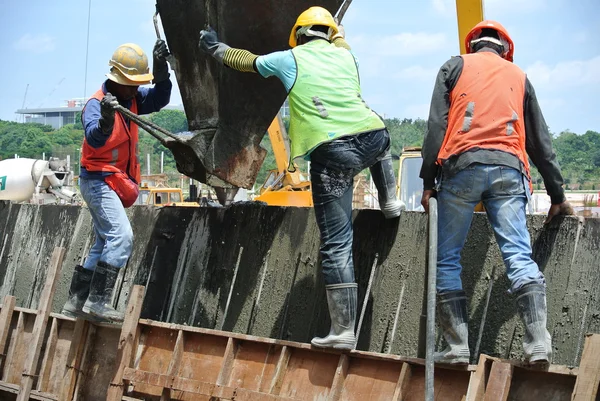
(188, 258)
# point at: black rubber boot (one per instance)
(341, 299)
(102, 286)
(537, 342)
(454, 322)
(78, 292)
(385, 181)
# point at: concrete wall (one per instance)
(187, 259)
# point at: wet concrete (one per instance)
(188, 260)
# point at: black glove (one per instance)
(107, 113)
(209, 43)
(160, 69)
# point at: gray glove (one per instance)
(107, 113)
(160, 68)
(209, 43)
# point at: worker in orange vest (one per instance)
(484, 122)
(110, 173)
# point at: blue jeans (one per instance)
(504, 193)
(114, 237)
(332, 169)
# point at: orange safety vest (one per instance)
(486, 109)
(120, 152)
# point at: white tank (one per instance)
(18, 178)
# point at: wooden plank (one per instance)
(340, 377)
(129, 333)
(280, 370)
(588, 380)
(41, 320)
(6, 315)
(403, 380)
(499, 382)
(198, 387)
(33, 395)
(75, 358)
(174, 364)
(48, 355)
(228, 360)
(476, 389)
(14, 356)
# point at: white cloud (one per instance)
(493, 7)
(566, 73)
(41, 43)
(443, 6)
(402, 44)
(417, 73)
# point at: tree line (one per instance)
(578, 154)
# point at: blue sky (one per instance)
(400, 44)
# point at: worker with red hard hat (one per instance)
(485, 124)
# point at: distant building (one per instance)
(57, 117)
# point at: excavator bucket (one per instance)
(228, 111)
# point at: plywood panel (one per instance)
(371, 380)
(254, 366)
(309, 375)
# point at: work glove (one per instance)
(209, 43)
(107, 113)
(160, 68)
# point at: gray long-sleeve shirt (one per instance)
(538, 139)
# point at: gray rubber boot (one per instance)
(341, 299)
(385, 181)
(454, 322)
(531, 304)
(98, 302)
(78, 293)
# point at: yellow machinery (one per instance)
(162, 196)
(283, 187)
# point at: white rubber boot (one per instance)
(537, 342)
(385, 181)
(453, 319)
(341, 300)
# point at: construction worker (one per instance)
(330, 125)
(483, 124)
(110, 173)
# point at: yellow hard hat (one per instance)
(129, 66)
(313, 16)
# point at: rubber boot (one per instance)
(537, 342)
(102, 286)
(341, 299)
(453, 319)
(385, 181)
(78, 293)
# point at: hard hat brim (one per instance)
(129, 80)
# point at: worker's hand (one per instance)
(428, 193)
(340, 34)
(560, 209)
(160, 69)
(107, 112)
(209, 43)
(160, 51)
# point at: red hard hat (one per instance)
(509, 47)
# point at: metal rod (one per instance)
(235, 272)
(366, 300)
(147, 125)
(431, 281)
(484, 316)
(393, 336)
(342, 11)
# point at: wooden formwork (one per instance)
(47, 356)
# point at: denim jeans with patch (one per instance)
(504, 193)
(114, 236)
(332, 169)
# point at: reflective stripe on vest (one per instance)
(119, 153)
(325, 101)
(486, 109)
